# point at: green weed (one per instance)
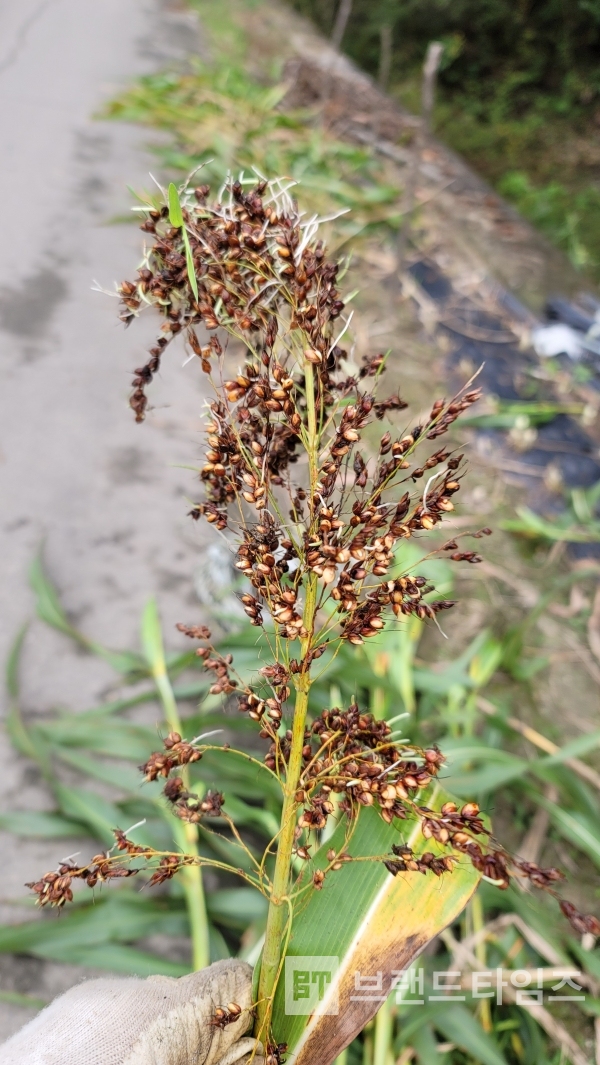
(220, 118)
(569, 219)
(577, 523)
(518, 97)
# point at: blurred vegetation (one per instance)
(220, 117)
(519, 96)
(577, 522)
(497, 48)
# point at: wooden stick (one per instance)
(385, 55)
(341, 21)
(431, 66)
(337, 35)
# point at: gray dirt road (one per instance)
(75, 471)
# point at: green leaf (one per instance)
(226, 850)
(124, 777)
(175, 215)
(28, 1002)
(578, 746)
(176, 219)
(575, 827)
(118, 705)
(534, 525)
(458, 1025)
(235, 775)
(13, 663)
(495, 768)
(50, 611)
(218, 949)
(236, 907)
(510, 414)
(590, 959)
(244, 814)
(98, 815)
(128, 663)
(426, 1046)
(48, 605)
(20, 735)
(456, 672)
(119, 916)
(369, 920)
(113, 737)
(29, 741)
(486, 661)
(117, 958)
(40, 825)
(194, 691)
(189, 258)
(152, 643)
(527, 668)
(591, 1006)
(461, 751)
(413, 1017)
(486, 779)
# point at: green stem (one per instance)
(383, 1034)
(186, 835)
(367, 1058)
(278, 911)
(277, 914)
(478, 918)
(193, 889)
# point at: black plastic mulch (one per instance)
(482, 338)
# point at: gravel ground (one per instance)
(76, 473)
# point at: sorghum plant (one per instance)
(315, 502)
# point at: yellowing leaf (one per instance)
(363, 921)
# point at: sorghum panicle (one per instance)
(316, 500)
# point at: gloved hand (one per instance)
(158, 1021)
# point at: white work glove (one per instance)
(158, 1021)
